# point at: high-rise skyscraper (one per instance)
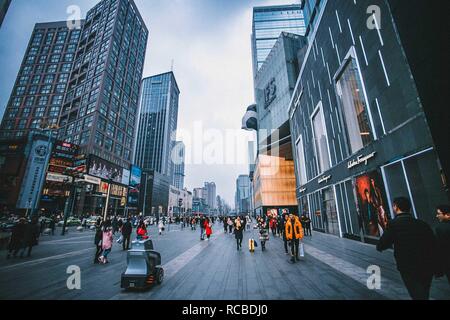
(38, 93)
(211, 200)
(242, 200)
(268, 23)
(4, 5)
(158, 119)
(178, 177)
(101, 105)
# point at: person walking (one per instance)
(238, 232)
(31, 236)
(294, 233)
(283, 224)
(141, 231)
(208, 228)
(230, 225)
(84, 223)
(414, 249)
(248, 222)
(243, 222)
(52, 225)
(17, 238)
(115, 225)
(280, 225)
(306, 223)
(273, 226)
(263, 233)
(127, 229)
(98, 240)
(225, 225)
(107, 243)
(202, 228)
(443, 240)
(161, 227)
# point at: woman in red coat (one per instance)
(208, 228)
(141, 231)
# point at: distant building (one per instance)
(268, 23)
(180, 202)
(210, 189)
(158, 120)
(242, 197)
(179, 174)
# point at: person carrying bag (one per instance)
(294, 234)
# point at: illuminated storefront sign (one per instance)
(324, 179)
(360, 159)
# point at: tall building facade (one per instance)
(38, 93)
(211, 200)
(101, 105)
(268, 23)
(4, 6)
(179, 166)
(158, 120)
(273, 175)
(242, 200)
(360, 130)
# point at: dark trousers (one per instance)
(98, 253)
(294, 247)
(24, 248)
(230, 228)
(418, 286)
(239, 243)
(285, 245)
(126, 242)
(308, 231)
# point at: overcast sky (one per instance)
(209, 42)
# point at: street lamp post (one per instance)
(113, 176)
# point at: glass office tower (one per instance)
(101, 104)
(158, 120)
(38, 93)
(179, 174)
(268, 23)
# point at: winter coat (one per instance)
(17, 236)
(238, 230)
(293, 231)
(208, 229)
(107, 240)
(414, 245)
(263, 232)
(31, 235)
(98, 236)
(142, 233)
(127, 229)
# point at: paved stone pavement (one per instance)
(332, 268)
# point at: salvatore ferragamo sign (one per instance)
(360, 159)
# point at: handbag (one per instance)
(302, 250)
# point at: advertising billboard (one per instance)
(372, 204)
(105, 170)
(135, 185)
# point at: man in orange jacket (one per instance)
(294, 233)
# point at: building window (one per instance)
(354, 107)
(301, 162)
(320, 140)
